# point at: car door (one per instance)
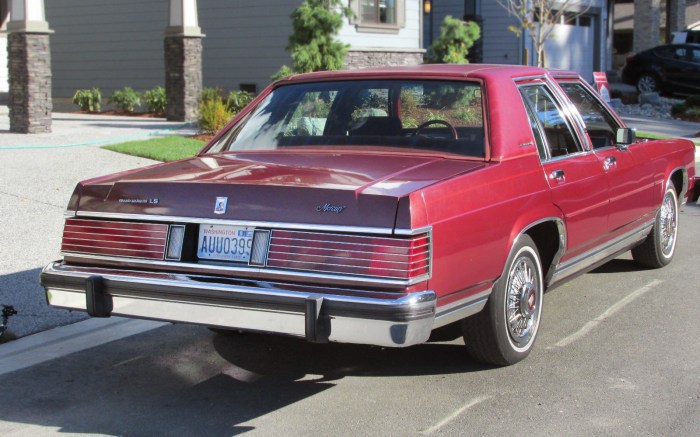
(576, 178)
(627, 169)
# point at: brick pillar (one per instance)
(29, 68)
(183, 77)
(675, 17)
(647, 19)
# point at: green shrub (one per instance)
(692, 114)
(126, 99)
(455, 40)
(210, 94)
(88, 99)
(155, 99)
(238, 100)
(693, 101)
(213, 115)
(678, 109)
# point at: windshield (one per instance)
(443, 116)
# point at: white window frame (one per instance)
(372, 27)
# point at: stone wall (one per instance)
(183, 77)
(30, 82)
(358, 59)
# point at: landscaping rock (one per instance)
(649, 98)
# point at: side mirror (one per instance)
(625, 136)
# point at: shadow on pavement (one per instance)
(185, 380)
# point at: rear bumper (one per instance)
(318, 314)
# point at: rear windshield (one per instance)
(443, 116)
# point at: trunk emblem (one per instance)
(331, 208)
(220, 205)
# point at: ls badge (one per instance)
(220, 206)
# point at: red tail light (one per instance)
(136, 240)
(395, 258)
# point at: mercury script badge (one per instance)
(331, 208)
(220, 206)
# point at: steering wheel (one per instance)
(432, 122)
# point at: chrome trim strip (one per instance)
(257, 224)
(246, 270)
(682, 195)
(600, 253)
(404, 320)
(461, 309)
(409, 232)
(562, 244)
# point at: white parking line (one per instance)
(58, 342)
(588, 327)
(456, 414)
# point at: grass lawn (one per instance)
(169, 148)
(652, 136)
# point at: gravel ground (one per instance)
(661, 110)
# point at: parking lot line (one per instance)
(455, 414)
(588, 327)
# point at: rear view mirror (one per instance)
(625, 136)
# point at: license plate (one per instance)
(225, 243)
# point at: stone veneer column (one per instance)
(183, 77)
(29, 67)
(647, 19)
(675, 17)
(183, 61)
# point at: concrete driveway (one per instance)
(38, 175)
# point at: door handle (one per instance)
(609, 163)
(557, 175)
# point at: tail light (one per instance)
(383, 257)
(96, 237)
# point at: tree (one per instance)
(455, 40)
(312, 44)
(537, 19)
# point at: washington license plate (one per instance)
(225, 243)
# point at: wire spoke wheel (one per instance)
(668, 225)
(522, 302)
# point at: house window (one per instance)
(378, 11)
(378, 16)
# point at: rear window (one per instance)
(443, 116)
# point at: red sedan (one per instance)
(378, 207)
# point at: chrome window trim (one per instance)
(563, 105)
(269, 272)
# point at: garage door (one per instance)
(572, 47)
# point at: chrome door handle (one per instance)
(609, 163)
(557, 175)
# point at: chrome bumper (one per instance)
(318, 314)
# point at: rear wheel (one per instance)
(647, 83)
(505, 330)
(660, 245)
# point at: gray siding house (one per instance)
(111, 44)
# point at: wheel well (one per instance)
(678, 181)
(546, 237)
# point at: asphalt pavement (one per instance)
(39, 173)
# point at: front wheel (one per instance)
(660, 245)
(647, 83)
(504, 332)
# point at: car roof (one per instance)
(446, 71)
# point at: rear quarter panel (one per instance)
(668, 156)
(475, 219)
